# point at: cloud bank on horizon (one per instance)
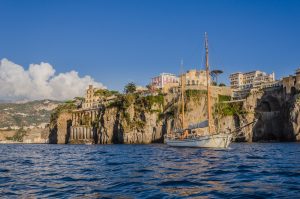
(40, 82)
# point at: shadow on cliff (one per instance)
(53, 135)
(271, 113)
(117, 137)
(68, 135)
(99, 132)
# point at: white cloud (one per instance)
(40, 82)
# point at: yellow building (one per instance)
(291, 84)
(195, 77)
(91, 100)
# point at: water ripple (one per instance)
(270, 170)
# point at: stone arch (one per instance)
(269, 125)
(269, 104)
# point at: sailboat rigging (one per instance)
(189, 139)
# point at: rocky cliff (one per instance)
(277, 115)
(293, 124)
(134, 118)
(60, 122)
(141, 119)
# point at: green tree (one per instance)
(130, 88)
(222, 84)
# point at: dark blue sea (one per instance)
(262, 170)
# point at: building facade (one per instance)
(164, 80)
(253, 79)
(291, 84)
(90, 99)
(195, 77)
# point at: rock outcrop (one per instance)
(60, 123)
(138, 122)
(60, 129)
(135, 119)
(277, 115)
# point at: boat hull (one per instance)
(209, 141)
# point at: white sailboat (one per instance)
(184, 137)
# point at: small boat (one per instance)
(185, 137)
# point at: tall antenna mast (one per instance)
(208, 86)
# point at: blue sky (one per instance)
(121, 41)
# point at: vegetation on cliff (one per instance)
(229, 109)
(105, 93)
(67, 106)
(18, 136)
(225, 108)
(133, 107)
(195, 95)
(130, 88)
(26, 114)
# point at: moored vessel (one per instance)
(186, 137)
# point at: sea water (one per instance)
(258, 170)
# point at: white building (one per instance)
(253, 79)
(164, 79)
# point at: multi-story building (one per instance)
(253, 79)
(195, 77)
(291, 84)
(164, 80)
(91, 100)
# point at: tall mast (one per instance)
(208, 87)
(182, 95)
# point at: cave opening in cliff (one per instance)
(269, 104)
(265, 107)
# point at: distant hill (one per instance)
(26, 114)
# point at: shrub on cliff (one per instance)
(105, 93)
(229, 109)
(130, 88)
(151, 100)
(68, 106)
(18, 136)
(224, 98)
(195, 94)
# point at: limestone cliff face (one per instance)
(143, 120)
(277, 116)
(293, 123)
(131, 127)
(60, 129)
